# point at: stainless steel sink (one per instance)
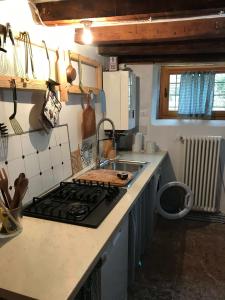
(123, 165)
(134, 167)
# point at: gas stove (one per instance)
(78, 202)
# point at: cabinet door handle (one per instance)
(115, 240)
(133, 113)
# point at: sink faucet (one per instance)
(98, 158)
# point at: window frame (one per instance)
(166, 71)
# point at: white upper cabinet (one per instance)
(120, 91)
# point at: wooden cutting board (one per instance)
(88, 126)
(106, 176)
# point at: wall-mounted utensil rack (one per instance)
(98, 73)
(35, 84)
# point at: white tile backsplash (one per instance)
(40, 140)
(58, 173)
(65, 151)
(55, 155)
(47, 179)
(14, 147)
(32, 167)
(52, 140)
(35, 186)
(27, 146)
(63, 134)
(44, 158)
(57, 133)
(15, 167)
(67, 169)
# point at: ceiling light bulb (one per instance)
(87, 37)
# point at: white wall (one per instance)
(30, 102)
(166, 133)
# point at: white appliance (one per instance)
(120, 92)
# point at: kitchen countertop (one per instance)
(51, 260)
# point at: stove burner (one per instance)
(79, 203)
(77, 210)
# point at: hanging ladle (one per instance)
(50, 80)
(71, 72)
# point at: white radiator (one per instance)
(201, 168)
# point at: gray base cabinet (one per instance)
(115, 266)
(108, 281)
(141, 226)
(123, 253)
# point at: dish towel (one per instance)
(102, 101)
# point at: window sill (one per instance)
(187, 122)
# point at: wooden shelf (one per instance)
(40, 85)
(21, 84)
(75, 89)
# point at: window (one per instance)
(170, 87)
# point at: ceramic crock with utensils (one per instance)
(11, 208)
(11, 221)
(4, 188)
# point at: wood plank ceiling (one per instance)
(133, 38)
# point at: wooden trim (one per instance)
(164, 113)
(99, 77)
(98, 73)
(84, 60)
(200, 68)
(75, 89)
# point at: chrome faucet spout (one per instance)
(98, 158)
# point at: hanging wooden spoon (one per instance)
(71, 72)
(21, 185)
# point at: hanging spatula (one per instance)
(14, 123)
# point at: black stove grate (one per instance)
(78, 202)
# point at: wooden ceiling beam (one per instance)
(210, 28)
(178, 58)
(59, 12)
(166, 48)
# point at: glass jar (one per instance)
(10, 222)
